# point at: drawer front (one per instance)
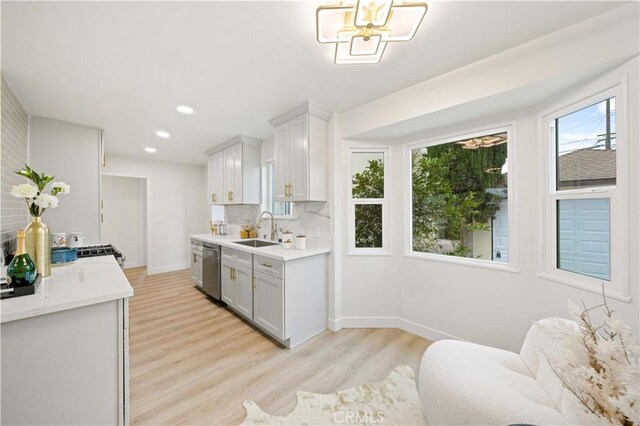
(238, 257)
(243, 258)
(268, 266)
(229, 254)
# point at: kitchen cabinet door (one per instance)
(243, 278)
(299, 159)
(282, 147)
(216, 178)
(233, 174)
(229, 287)
(268, 304)
(196, 268)
(236, 196)
(229, 175)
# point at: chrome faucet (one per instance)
(274, 225)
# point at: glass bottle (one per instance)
(21, 271)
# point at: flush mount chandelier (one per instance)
(484, 142)
(361, 29)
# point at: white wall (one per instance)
(176, 207)
(124, 217)
(71, 154)
(437, 299)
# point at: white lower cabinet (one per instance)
(229, 288)
(287, 300)
(243, 278)
(68, 368)
(237, 288)
(268, 312)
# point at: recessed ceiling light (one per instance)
(185, 109)
(162, 134)
(150, 149)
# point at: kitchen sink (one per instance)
(256, 243)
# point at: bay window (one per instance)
(460, 204)
(368, 214)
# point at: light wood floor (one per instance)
(193, 362)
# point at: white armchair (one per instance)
(463, 383)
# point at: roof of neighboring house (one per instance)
(587, 164)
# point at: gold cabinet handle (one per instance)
(230, 196)
(231, 274)
(266, 265)
(254, 282)
(194, 258)
(213, 198)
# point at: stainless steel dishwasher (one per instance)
(211, 282)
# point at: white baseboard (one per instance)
(168, 268)
(136, 264)
(370, 322)
(334, 325)
(392, 322)
(424, 331)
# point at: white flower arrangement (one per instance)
(46, 201)
(24, 190)
(600, 366)
(42, 195)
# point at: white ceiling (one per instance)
(125, 66)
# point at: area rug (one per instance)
(394, 401)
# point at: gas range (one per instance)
(102, 250)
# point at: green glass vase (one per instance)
(39, 245)
(21, 271)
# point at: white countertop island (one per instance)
(65, 349)
(274, 252)
(84, 282)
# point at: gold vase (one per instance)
(39, 245)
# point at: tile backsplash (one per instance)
(312, 218)
(15, 145)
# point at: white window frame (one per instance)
(385, 250)
(512, 265)
(269, 176)
(618, 286)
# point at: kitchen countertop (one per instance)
(273, 252)
(86, 281)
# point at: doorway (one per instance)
(124, 217)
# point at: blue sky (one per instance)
(580, 129)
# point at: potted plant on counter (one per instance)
(39, 196)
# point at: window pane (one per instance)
(459, 198)
(367, 178)
(277, 208)
(586, 147)
(368, 225)
(583, 237)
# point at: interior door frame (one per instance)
(145, 227)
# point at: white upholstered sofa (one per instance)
(463, 383)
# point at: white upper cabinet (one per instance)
(216, 178)
(234, 171)
(301, 153)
